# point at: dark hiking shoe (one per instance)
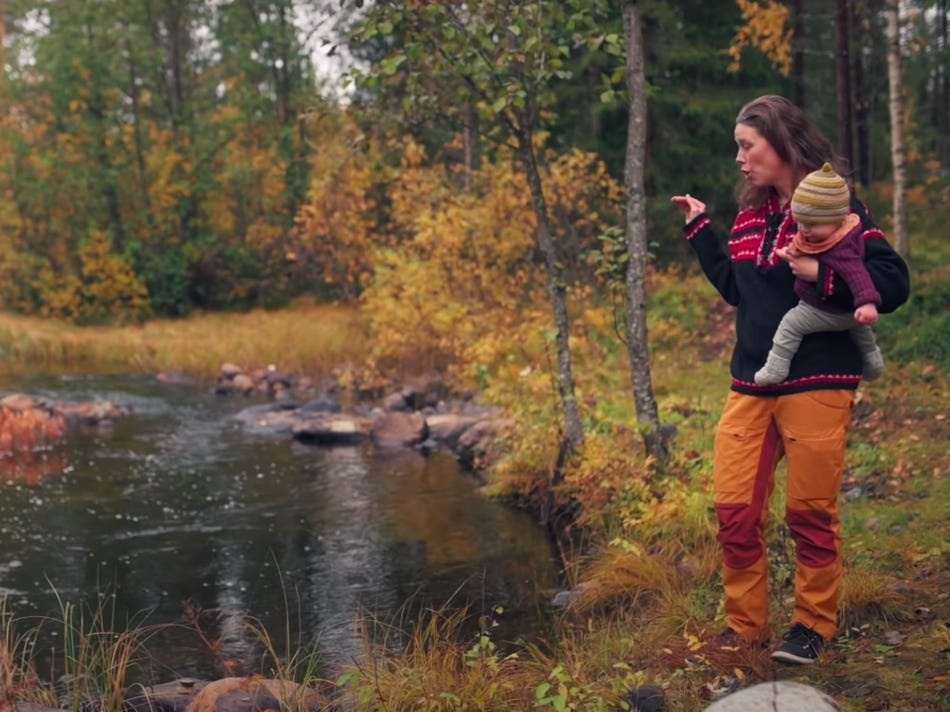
(802, 646)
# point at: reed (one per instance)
(18, 679)
(98, 656)
(297, 668)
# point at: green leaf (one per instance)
(390, 65)
(347, 678)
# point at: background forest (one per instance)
(168, 156)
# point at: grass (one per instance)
(433, 667)
(18, 681)
(306, 337)
(94, 664)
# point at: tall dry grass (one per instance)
(18, 680)
(305, 337)
(431, 666)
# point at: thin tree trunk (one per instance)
(798, 55)
(106, 176)
(637, 345)
(843, 81)
(898, 149)
(557, 291)
(470, 138)
(862, 104)
(592, 100)
(134, 93)
(3, 40)
(943, 102)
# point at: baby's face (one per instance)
(816, 233)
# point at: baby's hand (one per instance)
(866, 314)
(803, 266)
(692, 208)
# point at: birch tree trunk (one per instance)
(637, 346)
(557, 292)
(898, 147)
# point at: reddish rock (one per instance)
(24, 429)
(393, 429)
(174, 696)
(241, 694)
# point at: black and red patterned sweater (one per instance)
(752, 278)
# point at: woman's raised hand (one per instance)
(691, 207)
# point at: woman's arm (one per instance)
(715, 263)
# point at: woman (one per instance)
(806, 417)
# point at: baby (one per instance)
(830, 232)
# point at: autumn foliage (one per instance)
(458, 283)
(28, 429)
(765, 27)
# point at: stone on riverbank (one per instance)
(28, 424)
(782, 695)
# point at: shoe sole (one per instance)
(785, 657)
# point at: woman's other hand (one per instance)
(802, 266)
(691, 207)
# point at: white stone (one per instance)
(780, 696)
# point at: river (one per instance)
(177, 508)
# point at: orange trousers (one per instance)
(810, 430)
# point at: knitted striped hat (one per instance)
(822, 198)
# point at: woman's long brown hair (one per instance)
(795, 138)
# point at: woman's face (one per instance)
(757, 160)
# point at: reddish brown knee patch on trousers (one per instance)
(738, 535)
(815, 544)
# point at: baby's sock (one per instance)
(774, 371)
(873, 364)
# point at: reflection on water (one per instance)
(176, 504)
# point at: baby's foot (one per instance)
(873, 364)
(774, 371)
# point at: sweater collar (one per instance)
(813, 248)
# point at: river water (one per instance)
(176, 508)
